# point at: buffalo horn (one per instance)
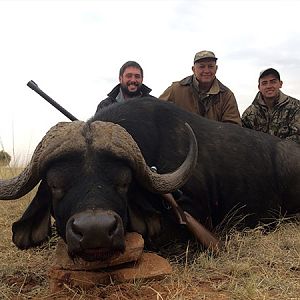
(57, 141)
(79, 137)
(121, 143)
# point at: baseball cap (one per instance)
(204, 54)
(269, 71)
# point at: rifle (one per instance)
(35, 87)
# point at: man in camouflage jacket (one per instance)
(272, 111)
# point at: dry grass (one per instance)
(253, 265)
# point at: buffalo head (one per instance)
(86, 172)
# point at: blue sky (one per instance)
(73, 50)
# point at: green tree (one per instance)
(5, 158)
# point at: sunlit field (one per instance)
(252, 265)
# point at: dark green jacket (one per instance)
(111, 99)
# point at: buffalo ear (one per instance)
(35, 225)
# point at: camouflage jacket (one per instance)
(282, 121)
(217, 104)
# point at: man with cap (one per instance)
(130, 85)
(203, 93)
(272, 111)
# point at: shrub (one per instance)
(5, 158)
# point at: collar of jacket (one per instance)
(115, 91)
(215, 89)
(283, 98)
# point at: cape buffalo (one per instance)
(97, 183)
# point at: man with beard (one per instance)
(130, 86)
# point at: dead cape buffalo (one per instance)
(95, 177)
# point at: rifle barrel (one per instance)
(35, 87)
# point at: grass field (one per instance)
(253, 265)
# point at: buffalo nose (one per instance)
(95, 229)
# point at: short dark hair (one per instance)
(267, 72)
(130, 63)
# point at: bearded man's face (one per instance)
(131, 82)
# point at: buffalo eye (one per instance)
(57, 191)
(59, 178)
(122, 180)
(122, 188)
